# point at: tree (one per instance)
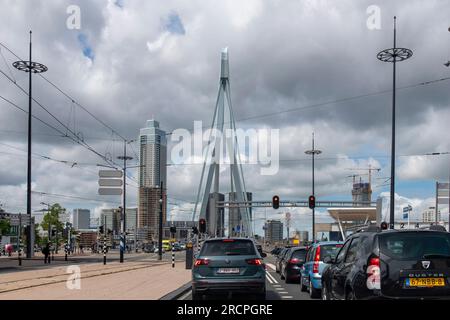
(51, 219)
(5, 227)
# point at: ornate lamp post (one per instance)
(30, 67)
(393, 55)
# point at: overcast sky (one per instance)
(131, 61)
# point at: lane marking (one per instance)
(280, 289)
(271, 266)
(283, 292)
(185, 296)
(287, 297)
(272, 277)
(268, 278)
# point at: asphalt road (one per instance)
(276, 288)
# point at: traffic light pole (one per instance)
(160, 233)
(123, 220)
(313, 153)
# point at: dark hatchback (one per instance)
(393, 264)
(292, 264)
(229, 266)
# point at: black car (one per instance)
(398, 264)
(279, 259)
(275, 251)
(292, 264)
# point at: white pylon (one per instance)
(215, 154)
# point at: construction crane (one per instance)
(370, 169)
(354, 176)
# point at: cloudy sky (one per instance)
(298, 66)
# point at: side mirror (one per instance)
(328, 260)
(263, 255)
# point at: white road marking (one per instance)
(272, 266)
(268, 278)
(185, 296)
(271, 277)
(283, 292)
(279, 289)
(287, 297)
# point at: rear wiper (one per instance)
(436, 256)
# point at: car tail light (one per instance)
(227, 240)
(316, 261)
(294, 261)
(374, 262)
(201, 262)
(373, 274)
(255, 262)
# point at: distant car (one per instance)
(396, 264)
(275, 251)
(230, 266)
(259, 248)
(311, 273)
(292, 264)
(279, 259)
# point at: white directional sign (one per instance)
(110, 191)
(110, 182)
(110, 174)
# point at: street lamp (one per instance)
(29, 67)
(393, 55)
(313, 153)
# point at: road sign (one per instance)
(110, 174)
(110, 191)
(110, 182)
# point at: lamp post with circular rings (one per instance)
(393, 55)
(30, 67)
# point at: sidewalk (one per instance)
(131, 281)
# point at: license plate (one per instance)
(425, 282)
(228, 270)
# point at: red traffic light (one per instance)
(312, 202)
(276, 202)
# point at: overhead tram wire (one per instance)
(62, 196)
(75, 137)
(337, 101)
(69, 97)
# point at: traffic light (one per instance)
(276, 202)
(101, 229)
(194, 230)
(173, 230)
(202, 225)
(312, 202)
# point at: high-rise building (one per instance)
(429, 215)
(110, 219)
(152, 171)
(362, 192)
(153, 155)
(81, 219)
(273, 231)
(235, 222)
(219, 228)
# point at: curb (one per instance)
(174, 295)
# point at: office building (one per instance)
(152, 171)
(429, 215)
(235, 222)
(273, 231)
(81, 219)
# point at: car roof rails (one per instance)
(437, 227)
(369, 228)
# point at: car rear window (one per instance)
(415, 245)
(228, 248)
(299, 254)
(329, 250)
